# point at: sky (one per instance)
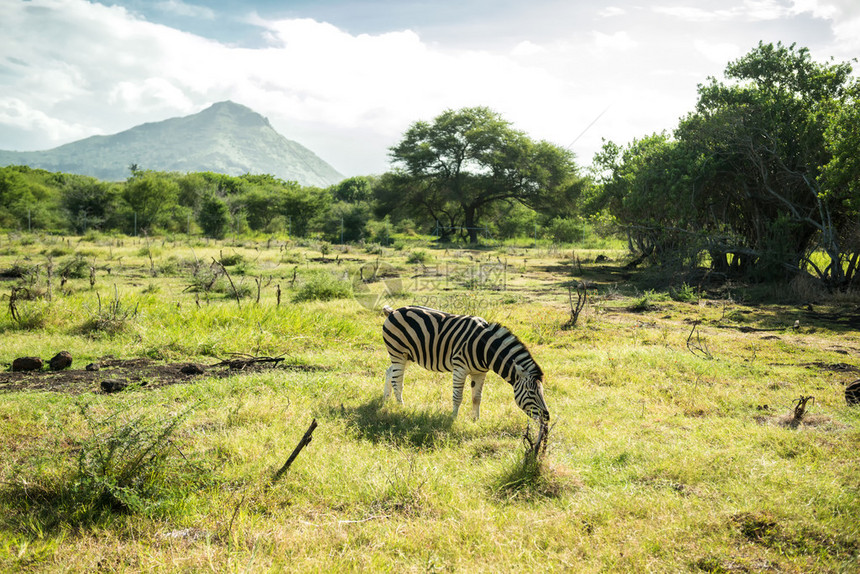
(347, 78)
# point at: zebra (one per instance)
(463, 345)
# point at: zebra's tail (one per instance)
(388, 310)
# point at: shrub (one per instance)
(566, 230)
(418, 256)
(684, 294)
(323, 287)
(74, 268)
(124, 463)
(232, 259)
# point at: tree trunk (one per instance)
(471, 228)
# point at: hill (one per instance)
(226, 138)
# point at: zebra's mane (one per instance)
(536, 369)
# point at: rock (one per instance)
(60, 361)
(27, 364)
(852, 393)
(191, 369)
(93, 367)
(113, 385)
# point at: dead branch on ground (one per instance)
(536, 447)
(242, 361)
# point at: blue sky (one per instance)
(346, 79)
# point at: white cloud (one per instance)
(18, 114)
(611, 11)
(527, 48)
(719, 52)
(844, 16)
(150, 94)
(748, 10)
(693, 14)
(184, 9)
(618, 41)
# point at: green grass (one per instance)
(659, 459)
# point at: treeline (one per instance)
(215, 205)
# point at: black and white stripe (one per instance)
(465, 346)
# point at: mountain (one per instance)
(225, 138)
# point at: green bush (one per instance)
(418, 256)
(74, 268)
(566, 230)
(124, 465)
(323, 287)
(684, 294)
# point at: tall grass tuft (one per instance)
(112, 319)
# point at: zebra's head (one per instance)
(528, 393)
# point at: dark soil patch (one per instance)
(140, 373)
(836, 367)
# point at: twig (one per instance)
(699, 345)
(368, 519)
(800, 409)
(581, 298)
(306, 439)
(13, 304)
(538, 446)
(235, 292)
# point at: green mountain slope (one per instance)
(225, 138)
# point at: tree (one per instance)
(214, 217)
(30, 198)
(762, 140)
(88, 202)
(646, 187)
(353, 189)
(467, 160)
(150, 196)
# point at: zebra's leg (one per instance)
(394, 381)
(459, 381)
(477, 387)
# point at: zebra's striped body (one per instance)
(465, 346)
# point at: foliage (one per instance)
(112, 318)
(346, 222)
(89, 203)
(757, 177)
(214, 217)
(456, 168)
(124, 463)
(149, 196)
(323, 286)
(566, 230)
(29, 198)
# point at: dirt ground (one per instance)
(114, 375)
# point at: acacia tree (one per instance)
(465, 161)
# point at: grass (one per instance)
(660, 459)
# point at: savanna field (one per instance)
(694, 429)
